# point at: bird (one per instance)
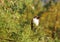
(34, 22)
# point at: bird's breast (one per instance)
(36, 21)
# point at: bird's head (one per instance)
(36, 17)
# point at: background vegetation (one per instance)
(15, 17)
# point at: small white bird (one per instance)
(35, 22)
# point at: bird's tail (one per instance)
(31, 24)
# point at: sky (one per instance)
(45, 1)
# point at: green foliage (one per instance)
(15, 21)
